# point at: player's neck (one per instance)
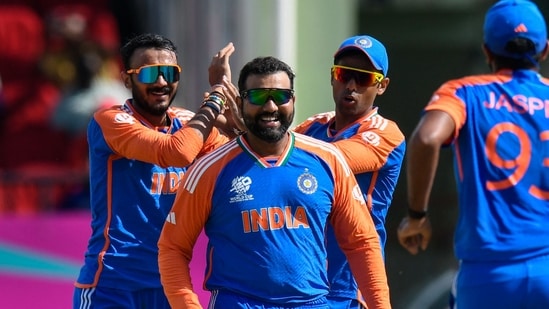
(267, 149)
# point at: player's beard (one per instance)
(269, 134)
(153, 109)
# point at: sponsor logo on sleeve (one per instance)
(124, 118)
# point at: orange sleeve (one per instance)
(446, 100)
(129, 138)
(321, 118)
(357, 237)
(369, 149)
(214, 141)
(186, 220)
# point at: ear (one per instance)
(239, 103)
(487, 54)
(382, 86)
(126, 79)
(545, 51)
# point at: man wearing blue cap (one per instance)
(373, 146)
(497, 125)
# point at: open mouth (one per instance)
(349, 99)
(160, 91)
(269, 120)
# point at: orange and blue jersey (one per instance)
(374, 148)
(501, 163)
(135, 171)
(265, 218)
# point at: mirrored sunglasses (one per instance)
(260, 96)
(148, 74)
(362, 78)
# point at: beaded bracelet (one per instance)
(213, 105)
(215, 97)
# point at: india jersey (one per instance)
(130, 198)
(374, 148)
(265, 219)
(501, 162)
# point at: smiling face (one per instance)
(268, 122)
(155, 98)
(351, 100)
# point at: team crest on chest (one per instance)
(307, 183)
(240, 186)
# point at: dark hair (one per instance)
(349, 52)
(518, 46)
(147, 40)
(264, 66)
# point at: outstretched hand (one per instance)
(414, 234)
(219, 75)
(219, 66)
(229, 121)
(232, 113)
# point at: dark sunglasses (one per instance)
(148, 74)
(260, 96)
(362, 78)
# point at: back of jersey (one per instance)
(501, 153)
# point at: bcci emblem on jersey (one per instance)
(307, 183)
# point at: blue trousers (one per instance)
(513, 285)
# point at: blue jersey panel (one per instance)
(266, 201)
(129, 242)
(502, 168)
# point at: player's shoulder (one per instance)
(544, 80)
(318, 147)
(313, 145)
(115, 112)
(381, 123)
(209, 165)
(224, 152)
(317, 119)
(305, 141)
(113, 109)
(476, 80)
(183, 114)
(322, 117)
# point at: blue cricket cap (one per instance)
(509, 19)
(372, 48)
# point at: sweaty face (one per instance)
(269, 122)
(352, 100)
(156, 97)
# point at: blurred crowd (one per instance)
(58, 64)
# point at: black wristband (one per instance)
(414, 214)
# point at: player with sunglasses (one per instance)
(372, 145)
(139, 151)
(148, 74)
(264, 200)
